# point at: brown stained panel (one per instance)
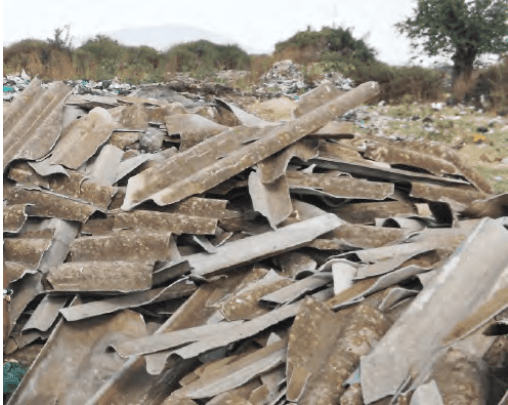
(446, 153)
(82, 139)
(14, 217)
(23, 174)
(192, 129)
(335, 129)
(178, 289)
(275, 166)
(368, 236)
(26, 251)
(77, 187)
(384, 370)
(32, 124)
(122, 245)
(169, 340)
(263, 245)
(460, 380)
(314, 330)
(163, 222)
(366, 213)
(431, 192)
(245, 303)
(47, 205)
(200, 207)
(237, 373)
(191, 173)
(295, 290)
(393, 155)
(365, 326)
(338, 186)
(79, 351)
(271, 200)
(316, 98)
(98, 276)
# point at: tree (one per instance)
(463, 29)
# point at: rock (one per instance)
(489, 157)
(151, 139)
(437, 106)
(381, 103)
(504, 161)
(497, 178)
(415, 117)
(428, 119)
(482, 130)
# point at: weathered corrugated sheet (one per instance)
(153, 183)
(101, 276)
(192, 129)
(33, 122)
(163, 222)
(384, 370)
(77, 350)
(14, 217)
(122, 245)
(338, 186)
(100, 307)
(263, 245)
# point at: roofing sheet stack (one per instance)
(178, 257)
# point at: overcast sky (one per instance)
(256, 25)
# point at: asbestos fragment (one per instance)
(398, 156)
(352, 396)
(32, 124)
(97, 276)
(275, 166)
(162, 222)
(14, 217)
(389, 364)
(77, 350)
(237, 373)
(316, 98)
(89, 133)
(192, 129)
(46, 313)
(459, 379)
(244, 304)
(338, 187)
(431, 192)
(427, 394)
(123, 246)
(153, 183)
(271, 200)
(294, 291)
(178, 289)
(264, 245)
(47, 205)
(366, 213)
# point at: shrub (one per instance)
(336, 40)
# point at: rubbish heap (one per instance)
(161, 256)
(288, 78)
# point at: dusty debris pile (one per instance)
(159, 255)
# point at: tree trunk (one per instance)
(463, 61)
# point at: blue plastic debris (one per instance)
(8, 89)
(13, 374)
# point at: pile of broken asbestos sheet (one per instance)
(162, 256)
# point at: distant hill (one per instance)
(163, 37)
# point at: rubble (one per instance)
(161, 252)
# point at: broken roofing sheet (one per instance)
(223, 259)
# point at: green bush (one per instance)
(398, 84)
(204, 57)
(335, 40)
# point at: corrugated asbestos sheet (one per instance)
(245, 262)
